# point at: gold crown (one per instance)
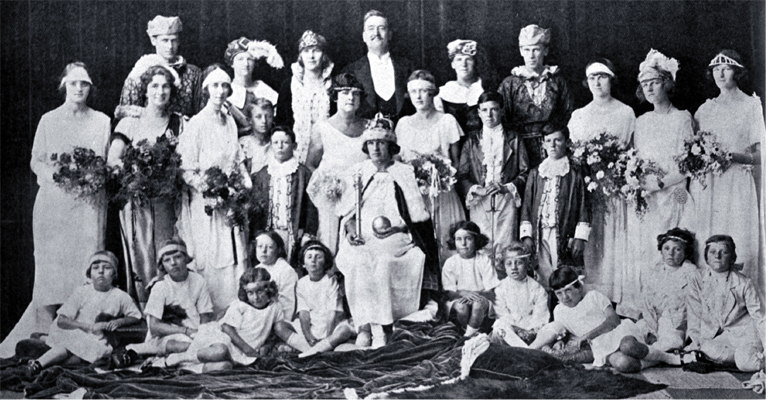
(379, 128)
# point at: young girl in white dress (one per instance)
(469, 277)
(589, 318)
(521, 303)
(604, 256)
(432, 132)
(256, 145)
(318, 304)
(270, 254)
(91, 310)
(239, 337)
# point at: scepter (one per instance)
(493, 230)
(358, 184)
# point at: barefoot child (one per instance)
(76, 331)
(319, 306)
(521, 302)
(256, 145)
(469, 277)
(270, 254)
(280, 188)
(238, 338)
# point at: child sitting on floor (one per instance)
(318, 303)
(555, 219)
(469, 277)
(85, 316)
(521, 302)
(270, 254)
(280, 190)
(726, 321)
(238, 338)
(589, 318)
(256, 145)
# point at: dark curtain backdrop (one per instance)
(40, 37)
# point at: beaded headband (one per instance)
(309, 39)
(722, 59)
(678, 238)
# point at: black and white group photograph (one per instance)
(381, 199)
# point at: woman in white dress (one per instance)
(145, 226)
(335, 146)
(242, 55)
(210, 140)
(432, 132)
(729, 203)
(60, 249)
(303, 100)
(659, 136)
(604, 257)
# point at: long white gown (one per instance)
(340, 152)
(729, 203)
(61, 252)
(605, 255)
(219, 251)
(658, 137)
(436, 140)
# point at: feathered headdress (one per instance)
(263, 49)
(655, 61)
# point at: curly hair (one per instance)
(563, 277)
(281, 252)
(317, 245)
(740, 75)
(255, 275)
(471, 227)
(720, 239)
(345, 80)
(149, 74)
(667, 83)
(686, 237)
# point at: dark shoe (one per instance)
(32, 369)
(122, 358)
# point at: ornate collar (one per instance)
(554, 168)
(298, 72)
(524, 73)
(454, 92)
(279, 170)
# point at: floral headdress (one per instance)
(654, 62)
(380, 128)
(460, 46)
(309, 39)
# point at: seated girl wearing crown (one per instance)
(394, 233)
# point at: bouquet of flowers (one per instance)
(149, 171)
(633, 173)
(598, 157)
(434, 174)
(228, 194)
(702, 154)
(327, 185)
(81, 173)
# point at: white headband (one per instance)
(599, 68)
(579, 279)
(421, 84)
(171, 248)
(108, 258)
(77, 74)
(217, 75)
(722, 59)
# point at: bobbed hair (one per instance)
(490, 95)
(689, 241)
(345, 80)
(208, 71)
(562, 277)
(325, 60)
(285, 129)
(67, 69)
(149, 74)
(257, 274)
(424, 75)
(740, 74)
(394, 148)
(471, 227)
(720, 239)
(600, 60)
(668, 84)
(103, 253)
(275, 238)
(317, 245)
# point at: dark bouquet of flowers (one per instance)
(81, 173)
(149, 171)
(599, 158)
(702, 154)
(227, 193)
(434, 174)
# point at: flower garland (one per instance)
(81, 173)
(702, 154)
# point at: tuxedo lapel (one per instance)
(363, 74)
(400, 81)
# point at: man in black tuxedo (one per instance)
(384, 77)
